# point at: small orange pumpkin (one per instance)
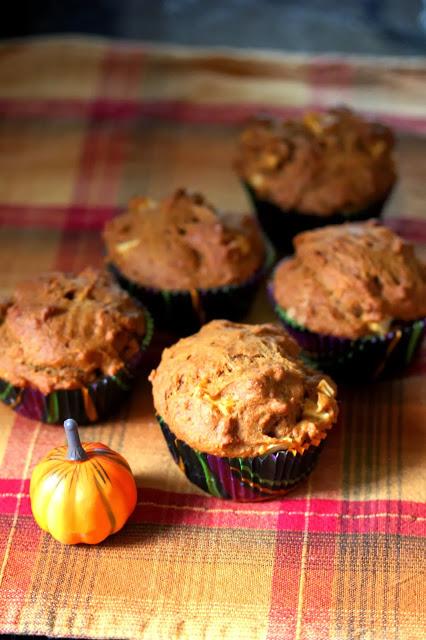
(83, 492)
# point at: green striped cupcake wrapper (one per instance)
(86, 405)
(242, 479)
(184, 312)
(367, 358)
(281, 225)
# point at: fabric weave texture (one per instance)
(85, 125)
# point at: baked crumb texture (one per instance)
(351, 280)
(183, 243)
(61, 331)
(241, 391)
(321, 164)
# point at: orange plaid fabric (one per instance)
(85, 126)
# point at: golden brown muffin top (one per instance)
(60, 331)
(183, 243)
(323, 163)
(241, 390)
(351, 280)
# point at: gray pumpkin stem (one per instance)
(75, 450)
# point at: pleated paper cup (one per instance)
(183, 312)
(367, 358)
(253, 479)
(281, 225)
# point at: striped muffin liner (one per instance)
(281, 225)
(184, 312)
(242, 479)
(367, 358)
(86, 405)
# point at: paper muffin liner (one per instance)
(367, 358)
(184, 312)
(86, 405)
(242, 479)
(281, 225)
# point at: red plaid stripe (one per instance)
(122, 111)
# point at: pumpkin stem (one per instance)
(75, 449)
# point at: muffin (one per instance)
(70, 346)
(187, 261)
(242, 415)
(322, 169)
(354, 297)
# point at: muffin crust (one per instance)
(351, 280)
(61, 331)
(183, 243)
(322, 164)
(241, 390)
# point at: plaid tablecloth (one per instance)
(84, 126)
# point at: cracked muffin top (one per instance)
(183, 243)
(321, 164)
(60, 331)
(351, 280)
(241, 390)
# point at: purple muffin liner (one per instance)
(367, 358)
(281, 225)
(242, 479)
(184, 312)
(86, 405)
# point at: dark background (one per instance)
(380, 27)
